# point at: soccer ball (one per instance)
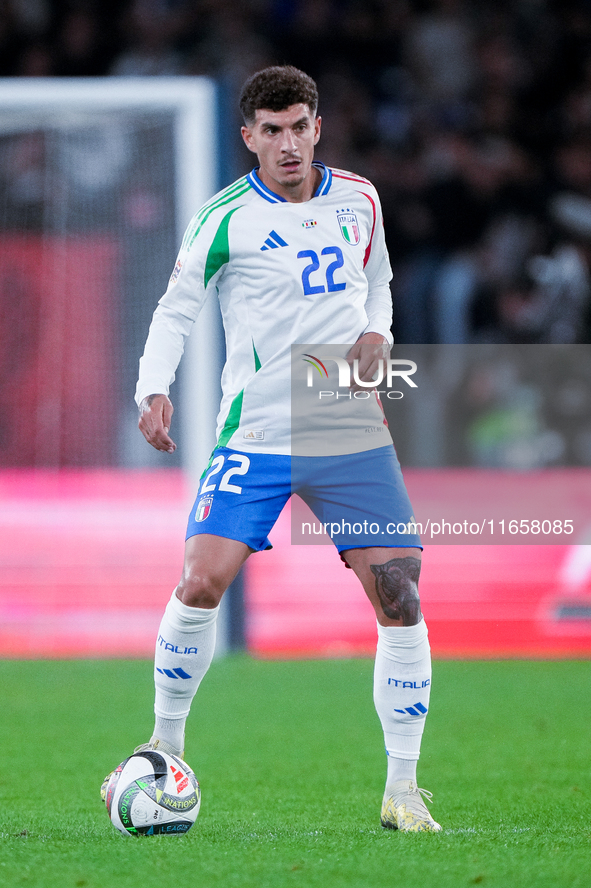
(153, 793)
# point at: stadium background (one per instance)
(474, 122)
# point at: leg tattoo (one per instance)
(397, 589)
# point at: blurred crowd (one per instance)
(472, 118)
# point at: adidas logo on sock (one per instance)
(416, 709)
(274, 241)
(174, 673)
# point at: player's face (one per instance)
(284, 144)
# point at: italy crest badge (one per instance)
(203, 508)
(349, 226)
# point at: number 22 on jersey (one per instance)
(321, 272)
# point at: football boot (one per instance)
(403, 808)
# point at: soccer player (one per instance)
(295, 252)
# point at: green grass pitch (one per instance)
(290, 760)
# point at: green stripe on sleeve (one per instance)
(228, 194)
(219, 251)
(206, 212)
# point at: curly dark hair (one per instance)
(275, 89)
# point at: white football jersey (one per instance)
(284, 273)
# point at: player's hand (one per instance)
(155, 418)
(369, 350)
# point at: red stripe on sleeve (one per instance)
(373, 228)
(351, 178)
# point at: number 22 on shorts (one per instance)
(216, 467)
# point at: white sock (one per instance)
(402, 684)
(184, 651)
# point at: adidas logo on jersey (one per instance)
(274, 241)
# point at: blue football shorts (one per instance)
(359, 498)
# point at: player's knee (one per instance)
(200, 588)
(410, 609)
(398, 590)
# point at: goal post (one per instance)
(99, 178)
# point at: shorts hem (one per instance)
(257, 547)
(392, 544)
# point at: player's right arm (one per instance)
(197, 270)
(154, 424)
(162, 353)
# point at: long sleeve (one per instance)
(164, 348)
(378, 305)
(188, 288)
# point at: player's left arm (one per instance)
(369, 350)
(378, 305)
(376, 340)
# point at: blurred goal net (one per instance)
(98, 179)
